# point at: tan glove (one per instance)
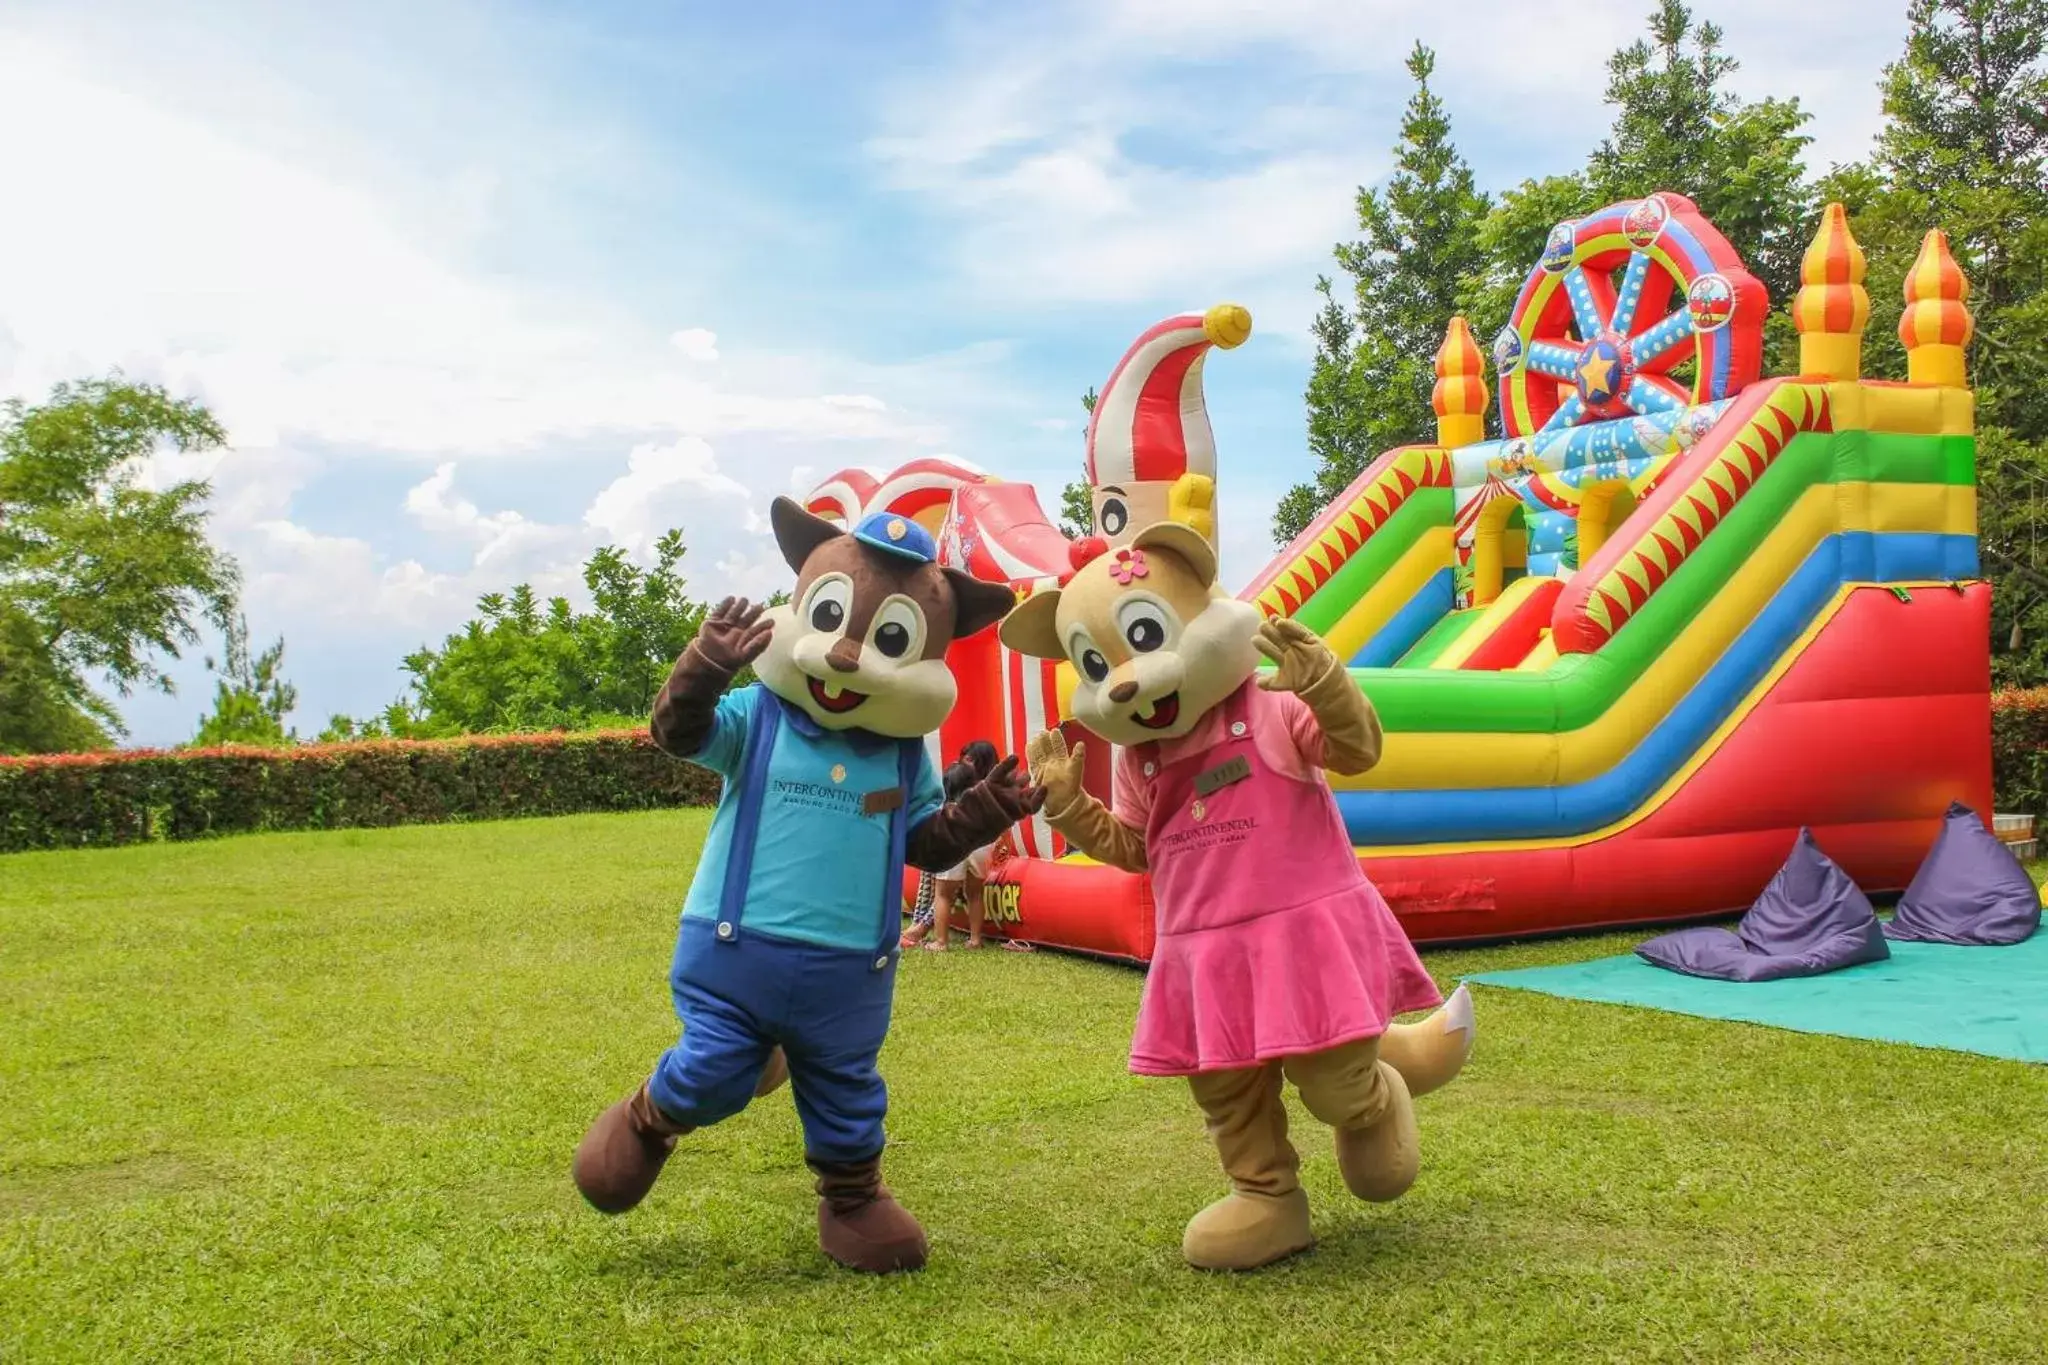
(1305, 666)
(1081, 819)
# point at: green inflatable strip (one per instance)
(1423, 509)
(1439, 638)
(1570, 697)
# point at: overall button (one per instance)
(725, 928)
(1237, 728)
(1150, 768)
(881, 962)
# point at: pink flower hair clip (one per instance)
(1129, 564)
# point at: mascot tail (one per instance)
(1429, 1052)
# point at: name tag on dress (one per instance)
(1222, 775)
(881, 802)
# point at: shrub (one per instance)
(2019, 740)
(124, 797)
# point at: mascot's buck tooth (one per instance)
(786, 955)
(1276, 956)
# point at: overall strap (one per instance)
(746, 818)
(908, 754)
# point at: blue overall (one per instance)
(820, 985)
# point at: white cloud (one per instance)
(1185, 151)
(696, 343)
(302, 308)
(661, 487)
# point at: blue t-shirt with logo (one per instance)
(820, 857)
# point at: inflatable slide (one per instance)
(1625, 652)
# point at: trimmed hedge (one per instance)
(131, 796)
(2019, 744)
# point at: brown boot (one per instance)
(1380, 1162)
(773, 1075)
(1265, 1216)
(860, 1224)
(1366, 1101)
(621, 1156)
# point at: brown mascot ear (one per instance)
(1180, 539)
(977, 605)
(797, 532)
(1032, 628)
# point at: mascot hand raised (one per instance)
(1275, 958)
(785, 960)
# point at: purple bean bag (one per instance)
(1810, 919)
(1971, 889)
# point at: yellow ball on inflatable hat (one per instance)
(1227, 324)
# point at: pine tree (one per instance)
(1077, 506)
(1677, 126)
(1369, 390)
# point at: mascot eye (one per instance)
(1114, 516)
(1144, 624)
(826, 607)
(898, 628)
(1081, 649)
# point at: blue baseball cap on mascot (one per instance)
(897, 535)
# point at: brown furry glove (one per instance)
(979, 817)
(729, 639)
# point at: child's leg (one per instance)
(942, 914)
(1265, 1216)
(1367, 1102)
(971, 889)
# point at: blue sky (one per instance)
(478, 286)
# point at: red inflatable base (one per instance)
(1881, 723)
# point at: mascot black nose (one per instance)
(1123, 692)
(844, 657)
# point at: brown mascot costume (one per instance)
(785, 960)
(1276, 958)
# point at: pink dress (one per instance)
(1271, 942)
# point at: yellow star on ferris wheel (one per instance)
(1597, 373)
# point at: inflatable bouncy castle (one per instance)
(1623, 653)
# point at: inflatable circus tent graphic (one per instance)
(1623, 652)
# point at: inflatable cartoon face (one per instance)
(861, 644)
(1155, 644)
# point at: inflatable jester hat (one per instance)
(1151, 451)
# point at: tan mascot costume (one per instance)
(1276, 957)
(785, 960)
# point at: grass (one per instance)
(312, 1097)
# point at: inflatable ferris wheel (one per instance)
(1616, 306)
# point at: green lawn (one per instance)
(313, 1097)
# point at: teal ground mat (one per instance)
(1988, 1000)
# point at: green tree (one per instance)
(521, 664)
(250, 697)
(99, 574)
(1677, 126)
(1418, 243)
(1964, 147)
(1077, 505)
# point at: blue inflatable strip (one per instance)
(1455, 816)
(1407, 626)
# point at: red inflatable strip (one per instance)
(1512, 640)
